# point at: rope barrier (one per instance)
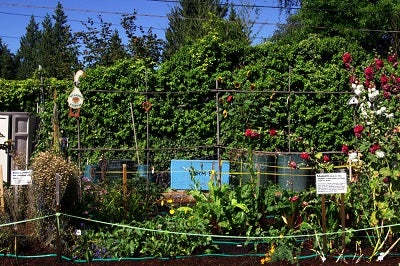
(247, 238)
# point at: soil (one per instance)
(193, 261)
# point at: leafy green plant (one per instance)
(105, 202)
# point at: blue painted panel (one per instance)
(203, 171)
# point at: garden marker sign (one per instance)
(331, 183)
(21, 177)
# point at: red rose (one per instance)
(378, 63)
(229, 98)
(369, 73)
(374, 148)
(347, 58)
(273, 132)
(305, 156)
(345, 149)
(392, 58)
(326, 158)
(384, 80)
(358, 129)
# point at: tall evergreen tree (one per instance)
(65, 49)
(27, 52)
(7, 64)
(144, 45)
(46, 51)
(186, 22)
(116, 49)
(101, 46)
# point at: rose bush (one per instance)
(374, 195)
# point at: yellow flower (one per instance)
(171, 211)
(262, 261)
(272, 249)
(169, 201)
(225, 113)
(162, 203)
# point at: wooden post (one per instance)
(57, 217)
(324, 247)
(343, 219)
(1, 190)
(124, 185)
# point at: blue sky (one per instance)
(15, 15)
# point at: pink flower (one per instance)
(358, 129)
(369, 73)
(273, 132)
(326, 158)
(294, 198)
(378, 63)
(292, 164)
(345, 149)
(374, 148)
(305, 156)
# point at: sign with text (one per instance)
(21, 177)
(331, 183)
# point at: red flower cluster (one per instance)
(252, 133)
(378, 63)
(374, 148)
(347, 60)
(273, 132)
(326, 158)
(389, 84)
(393, 59)
(305, 156)
(369, 73)
(358, 129)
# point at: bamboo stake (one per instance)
(134, 134)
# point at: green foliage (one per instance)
(157, 240)
(106, 202)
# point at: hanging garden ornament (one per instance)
(75, 98)
(147, 106)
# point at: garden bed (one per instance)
(242, 260)
(232, 256)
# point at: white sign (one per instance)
(331, 183)
(21, 177)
